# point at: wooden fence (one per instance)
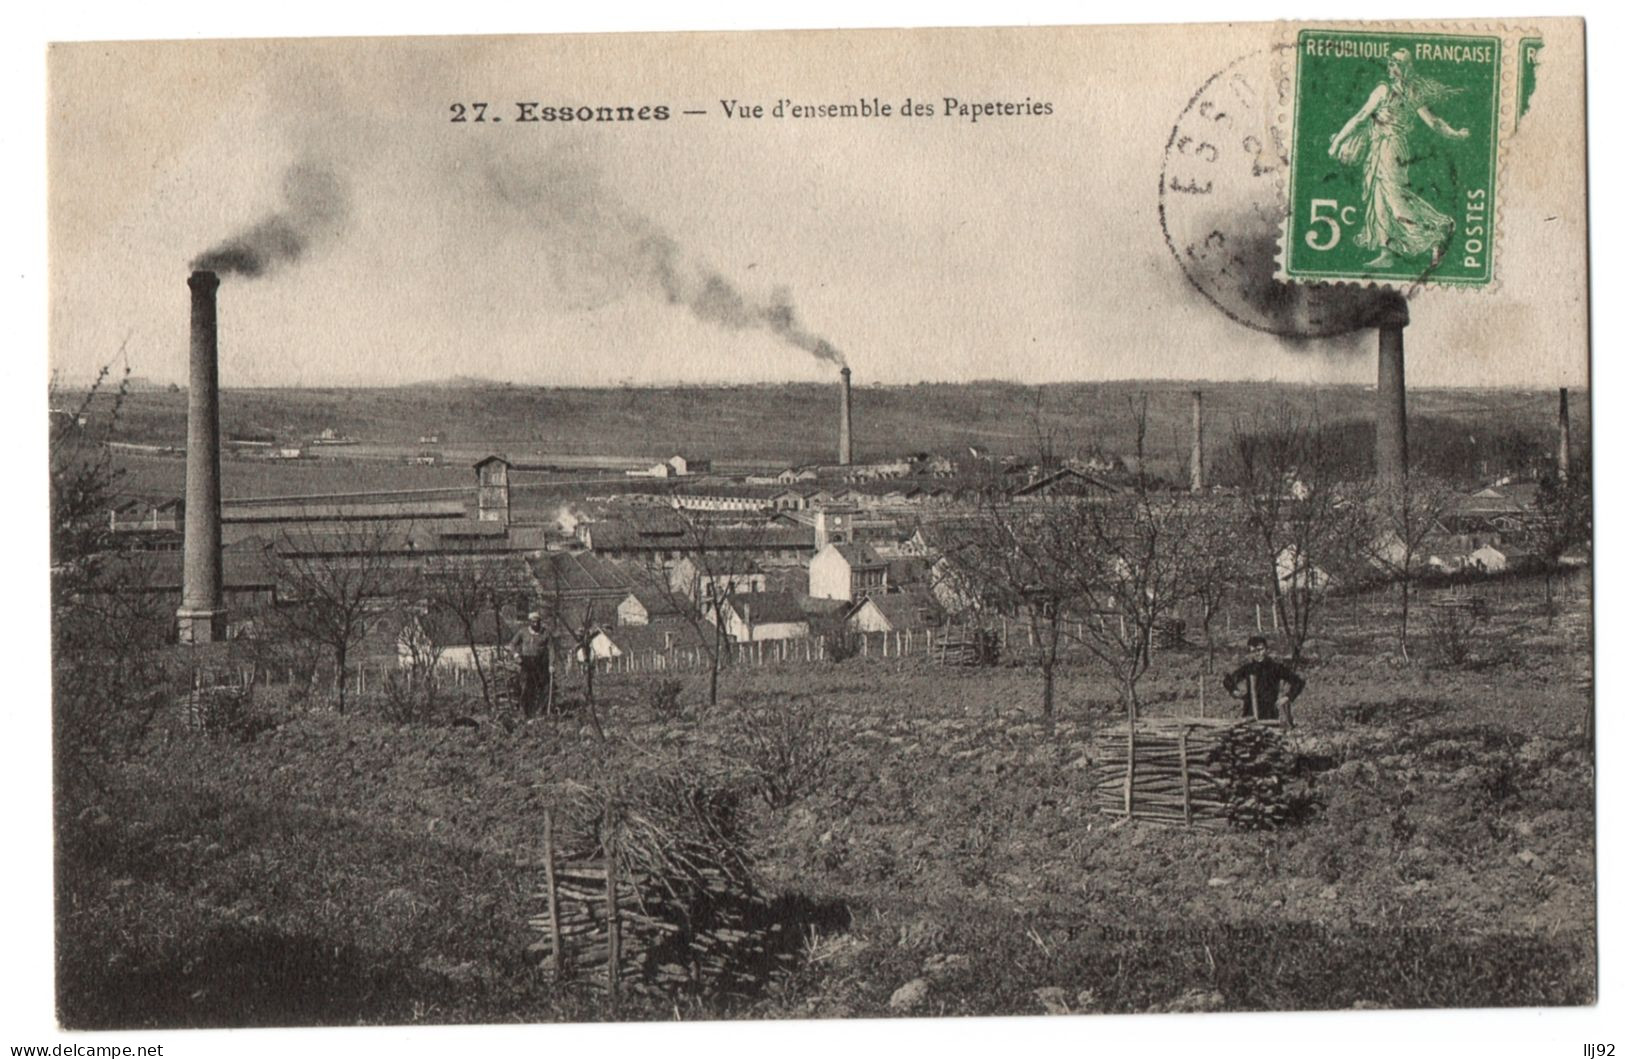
(1235, 620)
(757, 653)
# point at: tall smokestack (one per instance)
(1392, 458)
(202, 614)
(846, 416)
(1563, 434)
(1196, 441)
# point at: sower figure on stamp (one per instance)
(1261, 677)
(1397, 219)
(530, 645)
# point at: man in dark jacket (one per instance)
(1262, 676)
(531, 646)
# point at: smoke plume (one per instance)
(598, 249)
(1234, 268)
(315, 204)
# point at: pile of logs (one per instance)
(631, 934)
(1253, 765)
(1197, 771)
(968, 647)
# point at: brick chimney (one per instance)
(1563, 434)
(845, 452)
(1393, 458)
(202, 614)
(1196, 441)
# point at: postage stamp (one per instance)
(1528, 65)
(1394, 146)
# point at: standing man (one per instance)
(530, 646)
(1262, 676)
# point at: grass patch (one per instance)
(355, 870)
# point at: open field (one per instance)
(797, 423)
(345, 870)
(765, 427)
(157, 477)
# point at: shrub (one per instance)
(1451, 630)
(840, 642)
(1503, 779)
(786, 745)
(842, 645)
(410, 698)
(663, 697)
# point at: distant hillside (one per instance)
(798, 422)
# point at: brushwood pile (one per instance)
(657, 878)
(1196, 771)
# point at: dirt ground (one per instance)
(319, 869)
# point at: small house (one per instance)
(1498, 559)
(1446, 564)
(1065, 482)
(440, 637)
(753, 616)
(892, 612)
(1576, 555)
(952, 585)
(719, 576)
(643, 641)
(682, 466)
(845, 571)
(643, 606)
(1296, 572)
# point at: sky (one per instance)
(709, 249)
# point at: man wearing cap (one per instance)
(1262, 676)
(530, 646)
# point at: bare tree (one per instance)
(1402, 517)
(108, 628)
(1561, 520)
(1018, 558)
(1129, 559)
(415, 692)
(1010, 561)
(719, 573)
(1102, 566)
(1515, 450)
(1297, 526)
(1212, 576)
(471, 591)
(339, 583)
(1049, 442)
(84, 483)
(579, 626)
(576, 622)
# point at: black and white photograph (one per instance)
(1041, 522)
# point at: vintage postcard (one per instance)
(818, 525)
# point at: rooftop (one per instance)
(580, 574)
(767, 607)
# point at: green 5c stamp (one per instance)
(1394, 142)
